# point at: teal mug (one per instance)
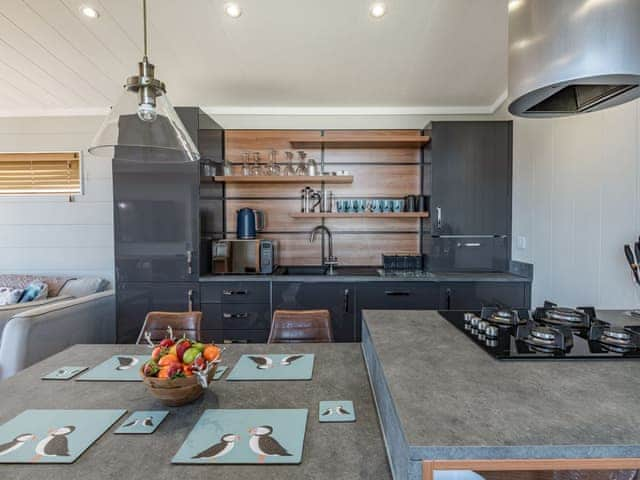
(376, 206)
(387, 205)
(398, 205)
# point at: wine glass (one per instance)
(256, 169)
(273, 168)
(246, 170)
(288, 169)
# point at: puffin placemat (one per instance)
(220, 372)
(273, 367)
(142, 422)
(64, 373)
(119, 368)
(53, 436)
(245, 437)
(337, 411)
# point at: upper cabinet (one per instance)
(471, 178)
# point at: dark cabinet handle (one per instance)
(346, 300)
(449, 294)
(393, 293)
(235, 315)
(190, 299)
(228, 293)
(189, 262)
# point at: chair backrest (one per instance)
(182, 323)
(301, 326)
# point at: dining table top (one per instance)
(331, 450)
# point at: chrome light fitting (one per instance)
(143, 126)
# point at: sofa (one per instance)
(76, 310)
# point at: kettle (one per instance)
(249, 222)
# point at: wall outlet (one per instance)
(521, 242)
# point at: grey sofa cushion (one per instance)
(83, 286)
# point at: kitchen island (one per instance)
(331, 450)
(445, 404)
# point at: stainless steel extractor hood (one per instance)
(572, 56)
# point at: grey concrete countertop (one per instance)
(433, 277)
(454, 401)
(331, 450)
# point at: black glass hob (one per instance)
(550, 332)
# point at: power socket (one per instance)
(521, 242)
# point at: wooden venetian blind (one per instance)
(39, 173)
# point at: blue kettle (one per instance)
(249, 222)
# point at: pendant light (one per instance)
(143, 126)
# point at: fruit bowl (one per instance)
(179, 370)
(178, 391)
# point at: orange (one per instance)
(168, 360)
(187, 369)
(210, 353)
(163, 373)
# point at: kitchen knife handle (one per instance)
(632, 263)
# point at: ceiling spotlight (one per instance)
(233, 10)
(515, 4)
(88, 11)
(378, 9)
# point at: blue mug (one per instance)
(359, 205)
(348, 206)
(387, 205)
(340, 206)
(398, 205)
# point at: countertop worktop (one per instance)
(454, 401)
(372, 277)
(331, 450)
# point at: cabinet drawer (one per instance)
(398, 296)
(246, 316)
(235, 336)
(235, 292)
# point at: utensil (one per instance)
(315, 200)
(327, 201)
(312, 168)
(227, 168)
(249, 222)
(632, 263)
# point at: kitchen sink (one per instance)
(322, 270)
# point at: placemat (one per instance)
(119, 368)
(273, 367)
(245, 437)
(143, 422)
(53, 436)
(64, 373)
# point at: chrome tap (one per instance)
(330, 260)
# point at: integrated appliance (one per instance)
(244, 256)
(551, 332)
(572, 56)
(248, 223)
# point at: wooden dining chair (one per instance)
(301, 326)
(182, 323)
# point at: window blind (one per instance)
(40, 173)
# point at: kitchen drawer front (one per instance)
(475, 295)
(245, 316)
(235, 336)
(397, 296)
(235, 292)
(469, 254)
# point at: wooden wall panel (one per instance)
(335, 154)
(367, 249)
(295, 249)
(355, 224)
(393, 181)
(276, 212)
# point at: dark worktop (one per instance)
(331, 450)
(454, 401)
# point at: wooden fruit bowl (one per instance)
(177, 391)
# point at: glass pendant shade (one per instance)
(144, 133)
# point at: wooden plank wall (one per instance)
(382, 173)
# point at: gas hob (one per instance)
(550, 332)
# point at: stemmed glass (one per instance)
(246, 170)
(273, 167)
(302, 165)
(288, 169)
(256, 169)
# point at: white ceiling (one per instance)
(280, 56)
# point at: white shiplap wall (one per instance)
(49, 234)
(576, 200)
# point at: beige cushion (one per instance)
(83, 286)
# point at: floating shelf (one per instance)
(333, 179)
(358, 141)
(361, 215)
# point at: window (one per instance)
(40, 173)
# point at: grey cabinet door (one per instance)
(338, 298)
(135, 300)
(471, 178)
(473, 295)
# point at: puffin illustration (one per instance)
(263, 444)
(126, 363)
(224, 446)
(261, 361)
(148, 422)
(55, 444)
(327, 412)
(16, 443)
(340, 410)
(288, 360)
(132, 423)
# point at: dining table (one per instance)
(349, 450)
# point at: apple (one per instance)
(181, 347)
(166, 343)
(175, 370)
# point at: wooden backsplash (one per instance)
(389, 172)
